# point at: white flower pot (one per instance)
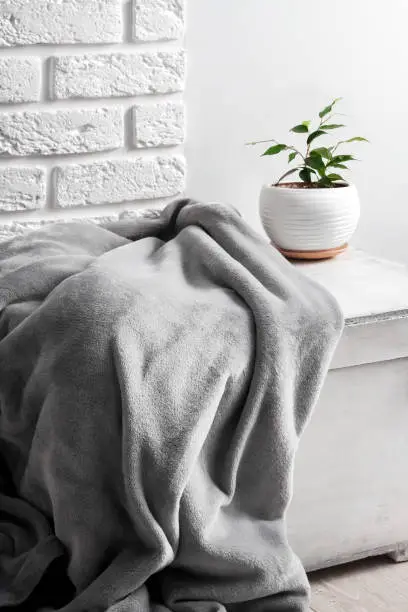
(309, 219)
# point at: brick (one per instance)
(158, 19)
(32, 22)
(119, 181)
(20, 79)
(21, 189)
(61, 132)
(17, 228)
(158, 124)
(117, 74)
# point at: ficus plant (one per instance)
(316, 166)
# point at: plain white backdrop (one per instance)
(257, 67)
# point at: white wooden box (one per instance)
(351, 476)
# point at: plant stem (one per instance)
(260, 142)
(298, 152)
(288, 172)
(290, 147)
(318, 128)
(337, 145)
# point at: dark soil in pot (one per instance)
(301, 185)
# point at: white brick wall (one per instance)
(117, 74)
(22, 188)
(33, 22)
(118, 181)
(91, 112)
(61, 132)
(20, 79)
(157, 19)
(158, 124)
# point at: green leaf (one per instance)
(328, 109)
(306, 123)
(300, 129)
(336, 165)
(315, 135)
(292, 156)
(316, 162)
(324, 181)
(306, 175)
(292, 171)
(275, 149)
(335, 177)
(356, 139)
(322, 151)
(340, 159)
(333, 126)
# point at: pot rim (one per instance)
(316, 190)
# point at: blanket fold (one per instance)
(155, 377)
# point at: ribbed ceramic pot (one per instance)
(299, 219)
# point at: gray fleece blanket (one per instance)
(155, 377)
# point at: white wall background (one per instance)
(256, 67)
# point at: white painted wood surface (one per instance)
(351, 476)
(373, 294)
(365, 286)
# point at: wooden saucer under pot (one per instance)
(313, 255)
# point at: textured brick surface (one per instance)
(31, 22)
(119, 181)
(60, 132)
(21, 188)
(17, 228)
(158, 124)
(79, 98)
(158, 19)
(19, 79)
(117, 74)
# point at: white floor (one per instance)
(373, 585)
